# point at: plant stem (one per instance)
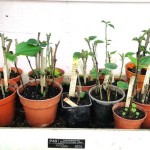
(106, 42)
(79, 87)
(2, 87)
(122, 64)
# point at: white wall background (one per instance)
(71, 22)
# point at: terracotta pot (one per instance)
(39, 113)
(146, 107)
(102, 110)
(129, 74)
(16, 79)
(123, 123)
(59, 79)
(7, 105)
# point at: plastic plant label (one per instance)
(5, 71)
(146, 80)
(68, 101)
(73, 77)
(130, 89)
(43, 66)
(105, 82)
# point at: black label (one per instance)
(66, 143)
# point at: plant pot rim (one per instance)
(10, 81)
(131, 71)
(37, 80)
(107, 102)
(63, 72)
(74, 106)
(123, 103)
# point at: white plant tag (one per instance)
(130, 89)
(5, 72)
(105, 82)
(73, 77)
(68, 101)
(43, 67)
(146, 80)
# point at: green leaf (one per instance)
(43, 44)
(126, 109)
(137, 113)
(144, 61)
(26, 49)
(77, 55)
(135, 39)
(103, 21)
(91, 54)
(123, 113)
(56, 73)
(82, 94)
(32, 42)
(129, 53)
(98, 41)
(10, 56)
(113, 52)
(94, 73)
(122, 85)
(133, 59)
(110, 65)
(85, 54)
(111, 25)
(92, 38)
(133, 105)
(133, 110)
(106, 71)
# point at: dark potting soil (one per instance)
(13, 74)
(66, 87)
(143, 71)
(7, 93)
(120, 110)
(89, 81)
(83, 101)
(34, 92)
(113, 96)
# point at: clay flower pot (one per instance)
(102, 110)
(146, 107)
(16, 79)
(59, 79)
(129, 74)
(39, 113)
(7, 105)
(123, 123)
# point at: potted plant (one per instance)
(58, 72)
(12, 72)
(86, 81)
(105, 95)
(39, 97)
(130, 67)
(76, 103)
(129, 115)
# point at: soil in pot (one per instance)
(89, 81)
(7, 93)
(113, 96)
(133, 70)
(34, 92)
(66, 87)
(77, 116)
(13, 74)
(119, 111)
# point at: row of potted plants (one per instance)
(95, 97)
